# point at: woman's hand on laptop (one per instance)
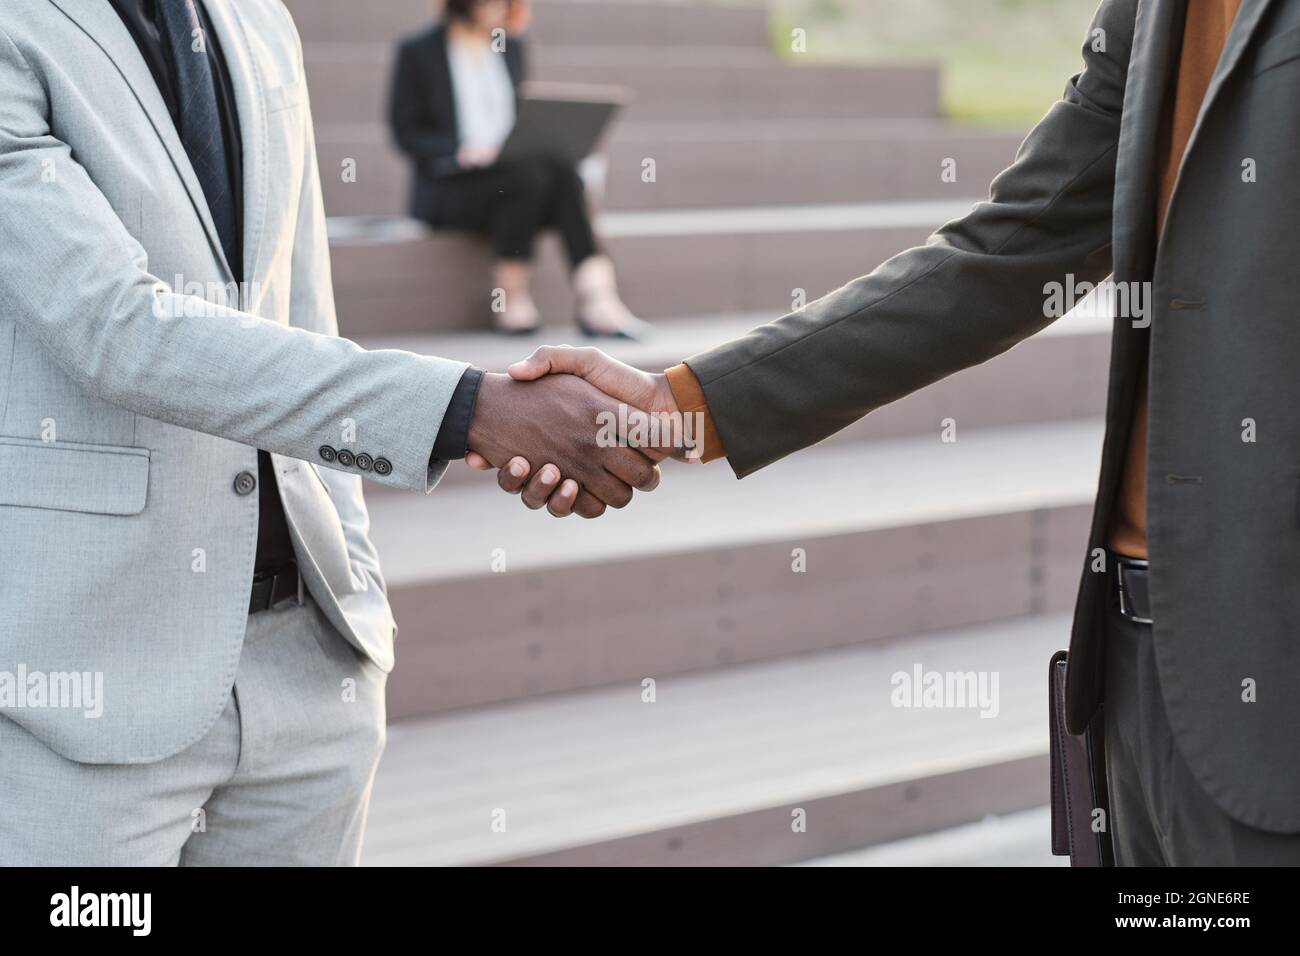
(475, 157)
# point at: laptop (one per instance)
(564, 121)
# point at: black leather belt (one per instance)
(272, 587)
(1131, 589)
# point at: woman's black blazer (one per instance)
(422, 110)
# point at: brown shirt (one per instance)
(1204, 34)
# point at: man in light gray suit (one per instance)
(194, 630)
(1171, 163)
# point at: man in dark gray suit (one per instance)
(1169, 163)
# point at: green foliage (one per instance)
(1004, 61)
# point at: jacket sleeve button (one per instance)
(383, 466)
(345, 458)
(365, 462)
(327, 453)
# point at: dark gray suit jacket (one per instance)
(1223, 515)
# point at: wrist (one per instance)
(662, 390)
(484, 422)
(692, 405)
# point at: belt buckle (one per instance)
(1124, 609)
(272, 583)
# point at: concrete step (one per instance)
(900, 536)
(350, 84)
(714, 770)
(555, 22)
(1063, 368)
(710, 164)
(1014, 839)
(396, 277)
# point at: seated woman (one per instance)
(452, 106)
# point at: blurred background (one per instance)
(708, 676)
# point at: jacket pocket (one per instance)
(69, 476)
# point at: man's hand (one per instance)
(644, 391)
(554, 420)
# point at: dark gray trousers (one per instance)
(1159, 815)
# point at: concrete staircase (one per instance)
(518, 686)
(782, 175)
(699, 162)
(525, 643)
(716, 769)
(395, 277)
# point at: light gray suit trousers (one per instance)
(281, 779)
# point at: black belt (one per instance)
(1131, 588)
(272, 587)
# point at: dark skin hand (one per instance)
(641, 390)
(554, 419)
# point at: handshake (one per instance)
(575, 431)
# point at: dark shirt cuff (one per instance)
(453, 435)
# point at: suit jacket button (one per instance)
(244, 483)
(383, 466)
(327, 453)
(365, 462)
(345, 458)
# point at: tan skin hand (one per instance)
(644, 390)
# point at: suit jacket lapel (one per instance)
(102, 24)
(250, 103)
(1248, 20)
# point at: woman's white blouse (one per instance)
(485, 97)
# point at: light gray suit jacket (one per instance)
(129, 405)
(1223, 514)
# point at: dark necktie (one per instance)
(199, 117)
